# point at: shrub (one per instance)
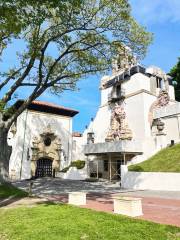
(79, 164)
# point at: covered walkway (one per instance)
(105, 159)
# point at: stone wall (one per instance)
(74, 174)
(149, 180)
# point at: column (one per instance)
(110, 167)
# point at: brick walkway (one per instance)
(159, 210)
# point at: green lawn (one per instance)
(167, 160)
(64, 222)
(8, 190)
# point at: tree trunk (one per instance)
(5, 153)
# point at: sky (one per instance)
(162, 18)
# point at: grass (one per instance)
(167, 160)
(8, 190)
(64, 222)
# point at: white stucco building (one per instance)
(137, 116)
(41, 140)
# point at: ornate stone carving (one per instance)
(162, 101)
(13, 129)
(47, 131)
(123, 61)
(119, 129)
(160, 127)
(40, 149)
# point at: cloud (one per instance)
(156, 11)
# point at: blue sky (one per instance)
(162, 17)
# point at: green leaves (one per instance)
(175, 74)
(65, 41)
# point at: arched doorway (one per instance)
(46, 154)
(44, 168)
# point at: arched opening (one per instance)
(44, 168)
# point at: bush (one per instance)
(79, 164)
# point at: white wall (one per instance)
(171, 92)
(170, 115)
(137, 82)
(74, 174)
(104, 95)
(31, 124)
(100, 125)
(150, 180)
(171, 128)
(134, 108)
(77, 153)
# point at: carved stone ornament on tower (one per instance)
(123, 61)
(162, 101)
(119, 129)
(46, 145)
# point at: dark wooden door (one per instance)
(44, 168)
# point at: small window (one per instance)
(159, 82)
(47, 141)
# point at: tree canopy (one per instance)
(65, 41)
(175, 74)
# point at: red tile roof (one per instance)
(52, 105)
(77, 134)
(47, 107)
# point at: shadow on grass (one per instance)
(25, 202)
(48, 203)
(7, 201)
(10, 194)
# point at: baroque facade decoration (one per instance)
(162, 101)
(124, 60)
(119, 129)
(48, 146)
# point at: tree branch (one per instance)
(10, 77)
(9, 94)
